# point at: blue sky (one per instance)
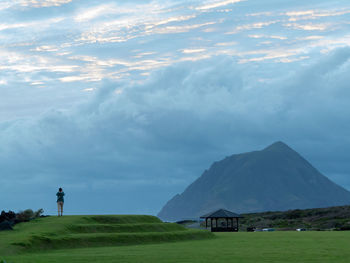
(125, 103)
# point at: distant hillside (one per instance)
(274, 179)
(337, 218)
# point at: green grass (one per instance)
(129, 228)
(51, 233)
(85, 239)
(305, 247)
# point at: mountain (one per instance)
(276, 178)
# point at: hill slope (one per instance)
(336, 217)
(274, 179)
(92, 231)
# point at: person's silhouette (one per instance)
(60, 201)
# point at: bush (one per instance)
(345, 228)
(38, 213)
(294, 214)
(7, 216)
(28, 214)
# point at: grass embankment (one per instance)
(91, 231)
(141, 239)
(242, 247)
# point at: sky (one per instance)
(123, 104)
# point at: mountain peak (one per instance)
(278, 146)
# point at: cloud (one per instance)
(94, 12)
(36, 40)
(195, 50)
(315, 14)
(167, 130)
(33, 68)
(42, 3)
(225, 44)
(267, 36)
(256, 25)
(40, 25)
(271, 54)
(160, 111)
(6, 4)
(46, 49)
(215, 4)
(308, 26)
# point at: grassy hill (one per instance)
(92, 231)
(138, 239)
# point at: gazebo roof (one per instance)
(221, 213)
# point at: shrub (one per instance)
(294, 214)
(7, 216)
(28, 214)
(24, 216)
(38, 213)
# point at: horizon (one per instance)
(123, 104)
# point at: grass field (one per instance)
(157, 243)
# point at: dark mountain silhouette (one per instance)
(274, 179)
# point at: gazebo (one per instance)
(224, 221)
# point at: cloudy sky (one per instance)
(125, 103)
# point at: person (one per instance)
(60, 201)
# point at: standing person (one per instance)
(60, 201)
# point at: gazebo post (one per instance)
(211, 223)
(237, 223)
(226, 222)
(206, 222)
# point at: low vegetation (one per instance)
(331, 218)
(10, 218)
